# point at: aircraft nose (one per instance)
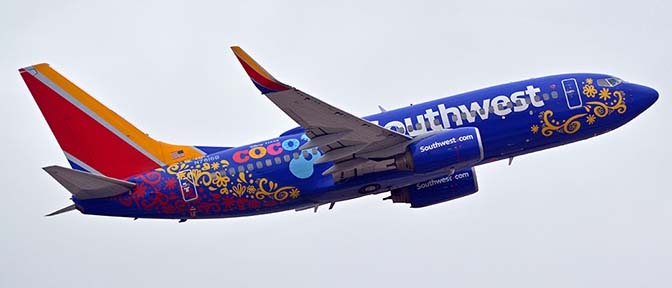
(644, 95)
(649, 95)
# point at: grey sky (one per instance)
(592, 214)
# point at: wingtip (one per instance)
(264, 81)
(237, 49)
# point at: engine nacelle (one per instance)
(451, 149)
(437, 190)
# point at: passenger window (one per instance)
(286, 158)
(410, 128)
(473, 113)
(454, 117)
(509, 104)
(241, 168)
(437, 122)
(464, 115)
(537, 98)
(232, 171)
(554, 95)
(546, 97)
(528, 101)
(260, 165)
(250, 167)
(268, 163)
(277, 160)
(482, 111)
(500, 106)
(296, 155)
(418, 126)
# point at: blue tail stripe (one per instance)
(77, 167)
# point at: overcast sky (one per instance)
(597, 213)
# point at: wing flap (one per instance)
(324, 140)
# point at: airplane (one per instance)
(423, 154)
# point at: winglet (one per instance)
(262, 79)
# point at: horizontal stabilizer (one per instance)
(62, 210)
(88, 186)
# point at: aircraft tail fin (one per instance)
(85, 186)
(93, 137)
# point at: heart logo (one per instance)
(552, 86)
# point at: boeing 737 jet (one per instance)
(422, 154)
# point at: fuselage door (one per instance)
(572, 93)
(187, 185)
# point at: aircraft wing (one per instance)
(354, 145)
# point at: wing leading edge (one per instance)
(354, 145)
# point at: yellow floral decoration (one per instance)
(611, 102)
(590, 119)
(605, 94)
(213, 176)
(590, 91)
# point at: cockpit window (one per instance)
(609, 82)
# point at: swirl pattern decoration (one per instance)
(218, 192)
(608, 103)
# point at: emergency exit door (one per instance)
(572, 93)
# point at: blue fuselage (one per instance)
(275, 175)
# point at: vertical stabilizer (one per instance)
(93, 137)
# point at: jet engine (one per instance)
(452, 149)
(437, 190)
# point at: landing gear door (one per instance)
(187, 185)
(572, 93)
